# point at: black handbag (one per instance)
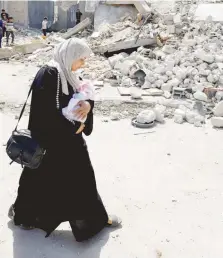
(22, 148)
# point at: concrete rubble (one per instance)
(176, 60)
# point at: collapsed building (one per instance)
(175, 58)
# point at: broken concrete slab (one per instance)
(6, 53)
(123, 91)
(79, 27)
(124, 45)
(154, 92)
(142, 7)
(29, 48)
(204, 11)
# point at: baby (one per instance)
(85, 92)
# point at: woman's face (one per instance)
(77, 64)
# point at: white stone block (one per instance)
(155, 92)
(218, 110)
(115, 116)
(164, 78)
(135, 93)
(209, 58)
(168, 49)
(159, 83)
(160, 70)
(167, 87)
(177, 19)
(159, 113)
(212, 78)
(217, 122)
(218, 59)
(190, 116)
(171, 29)
(199, 120)
(146, 116)
(146, 85)
(219, 95)
(175, 82)
(169, 73)
(114, 59)
(200, 96)
(167, 94)
(125, 66)
(178, 119)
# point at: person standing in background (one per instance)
(1, 32)
(3, 13)
(44, 26)
(10, 31)
(78, 16)
(4, 20)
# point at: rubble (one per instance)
(79, 27)
(161, 63)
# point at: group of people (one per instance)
(6, 28)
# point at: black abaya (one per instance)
(63, 188)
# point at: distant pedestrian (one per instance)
(10, 31)
(4, 20)
(1, 32)
(3, 13)
(44, 26)
(78, 16)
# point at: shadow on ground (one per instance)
(61, 243)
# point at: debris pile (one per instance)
(176, 58)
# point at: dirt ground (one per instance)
(166, 186)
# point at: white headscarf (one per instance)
(64, 55)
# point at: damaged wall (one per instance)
(17, 9)
(29, 13)
(37, 10)
(66, 15)
(85, 14)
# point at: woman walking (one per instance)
(63, 188)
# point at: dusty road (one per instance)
(166, 186)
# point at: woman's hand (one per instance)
(83, 110)
(81, 128)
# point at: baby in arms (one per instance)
(85, 92)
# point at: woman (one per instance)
(63, 188)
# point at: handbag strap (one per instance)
(23, 108)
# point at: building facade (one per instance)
(61, 14)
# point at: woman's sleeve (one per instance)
(47, 123)
(90, 120)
